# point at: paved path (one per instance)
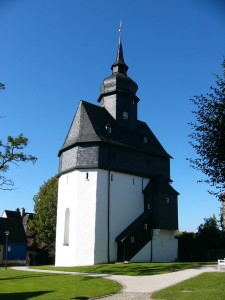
(140, 287)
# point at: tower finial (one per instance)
(120, 31)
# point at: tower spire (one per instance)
(119, 66)
(120, 32)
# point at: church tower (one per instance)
(115, 199)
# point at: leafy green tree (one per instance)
(209, 233)
(208, 136)
(43, 225)
(11, 154)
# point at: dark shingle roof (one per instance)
(15, 227)
(90, 125)
(13, 214)
(158, 183)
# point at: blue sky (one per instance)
(55, 53)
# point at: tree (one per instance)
(208, 136)
(10, 153)
(209, 234)
(43, 225)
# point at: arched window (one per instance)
(66, 227)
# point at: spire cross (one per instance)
(120, 32)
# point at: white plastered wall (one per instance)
(126, 202)
(91, 200)
(165, 246)
(78, 193)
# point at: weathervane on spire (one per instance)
(120, 31)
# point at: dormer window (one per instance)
(145, 139)
(125, 115)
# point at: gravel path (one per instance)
(141, 287)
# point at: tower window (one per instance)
(132, 239)
(111, 177)
(146, 226)
(149, 206)
(167, 200)
(125, 115)
(87, 176)
(145, 139)
(108, 128)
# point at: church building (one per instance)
(115, 199)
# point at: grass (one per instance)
(133, 269)
(206, 286)
(21, 285)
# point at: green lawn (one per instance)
(20, 285)
(207, 286)
(133, 269)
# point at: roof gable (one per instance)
(11, 214)
(15, 228)
(81, 129)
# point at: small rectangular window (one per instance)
(149, 206)
(87, 176)
(125, 115)
(146, 226)
(167, 200)
(145, 140)
(111, 177)
(108, 128)
(132, 239)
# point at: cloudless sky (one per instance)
(54, 53)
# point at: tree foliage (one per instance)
(196, 246)
(44, 223)
(11, 153)
(208, 136)
(209, 233)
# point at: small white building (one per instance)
(115, 200)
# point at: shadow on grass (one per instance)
(80, 298)
(146, 269)
(27, 276)
(22, 295)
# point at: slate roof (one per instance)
(15, 227)
(90, 125)
(159, 184)
(13, 214)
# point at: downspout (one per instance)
(151, 245)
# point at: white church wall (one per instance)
(126, 204)
(164, 246)
(77, 191)
(101, 225)
(91, 196)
